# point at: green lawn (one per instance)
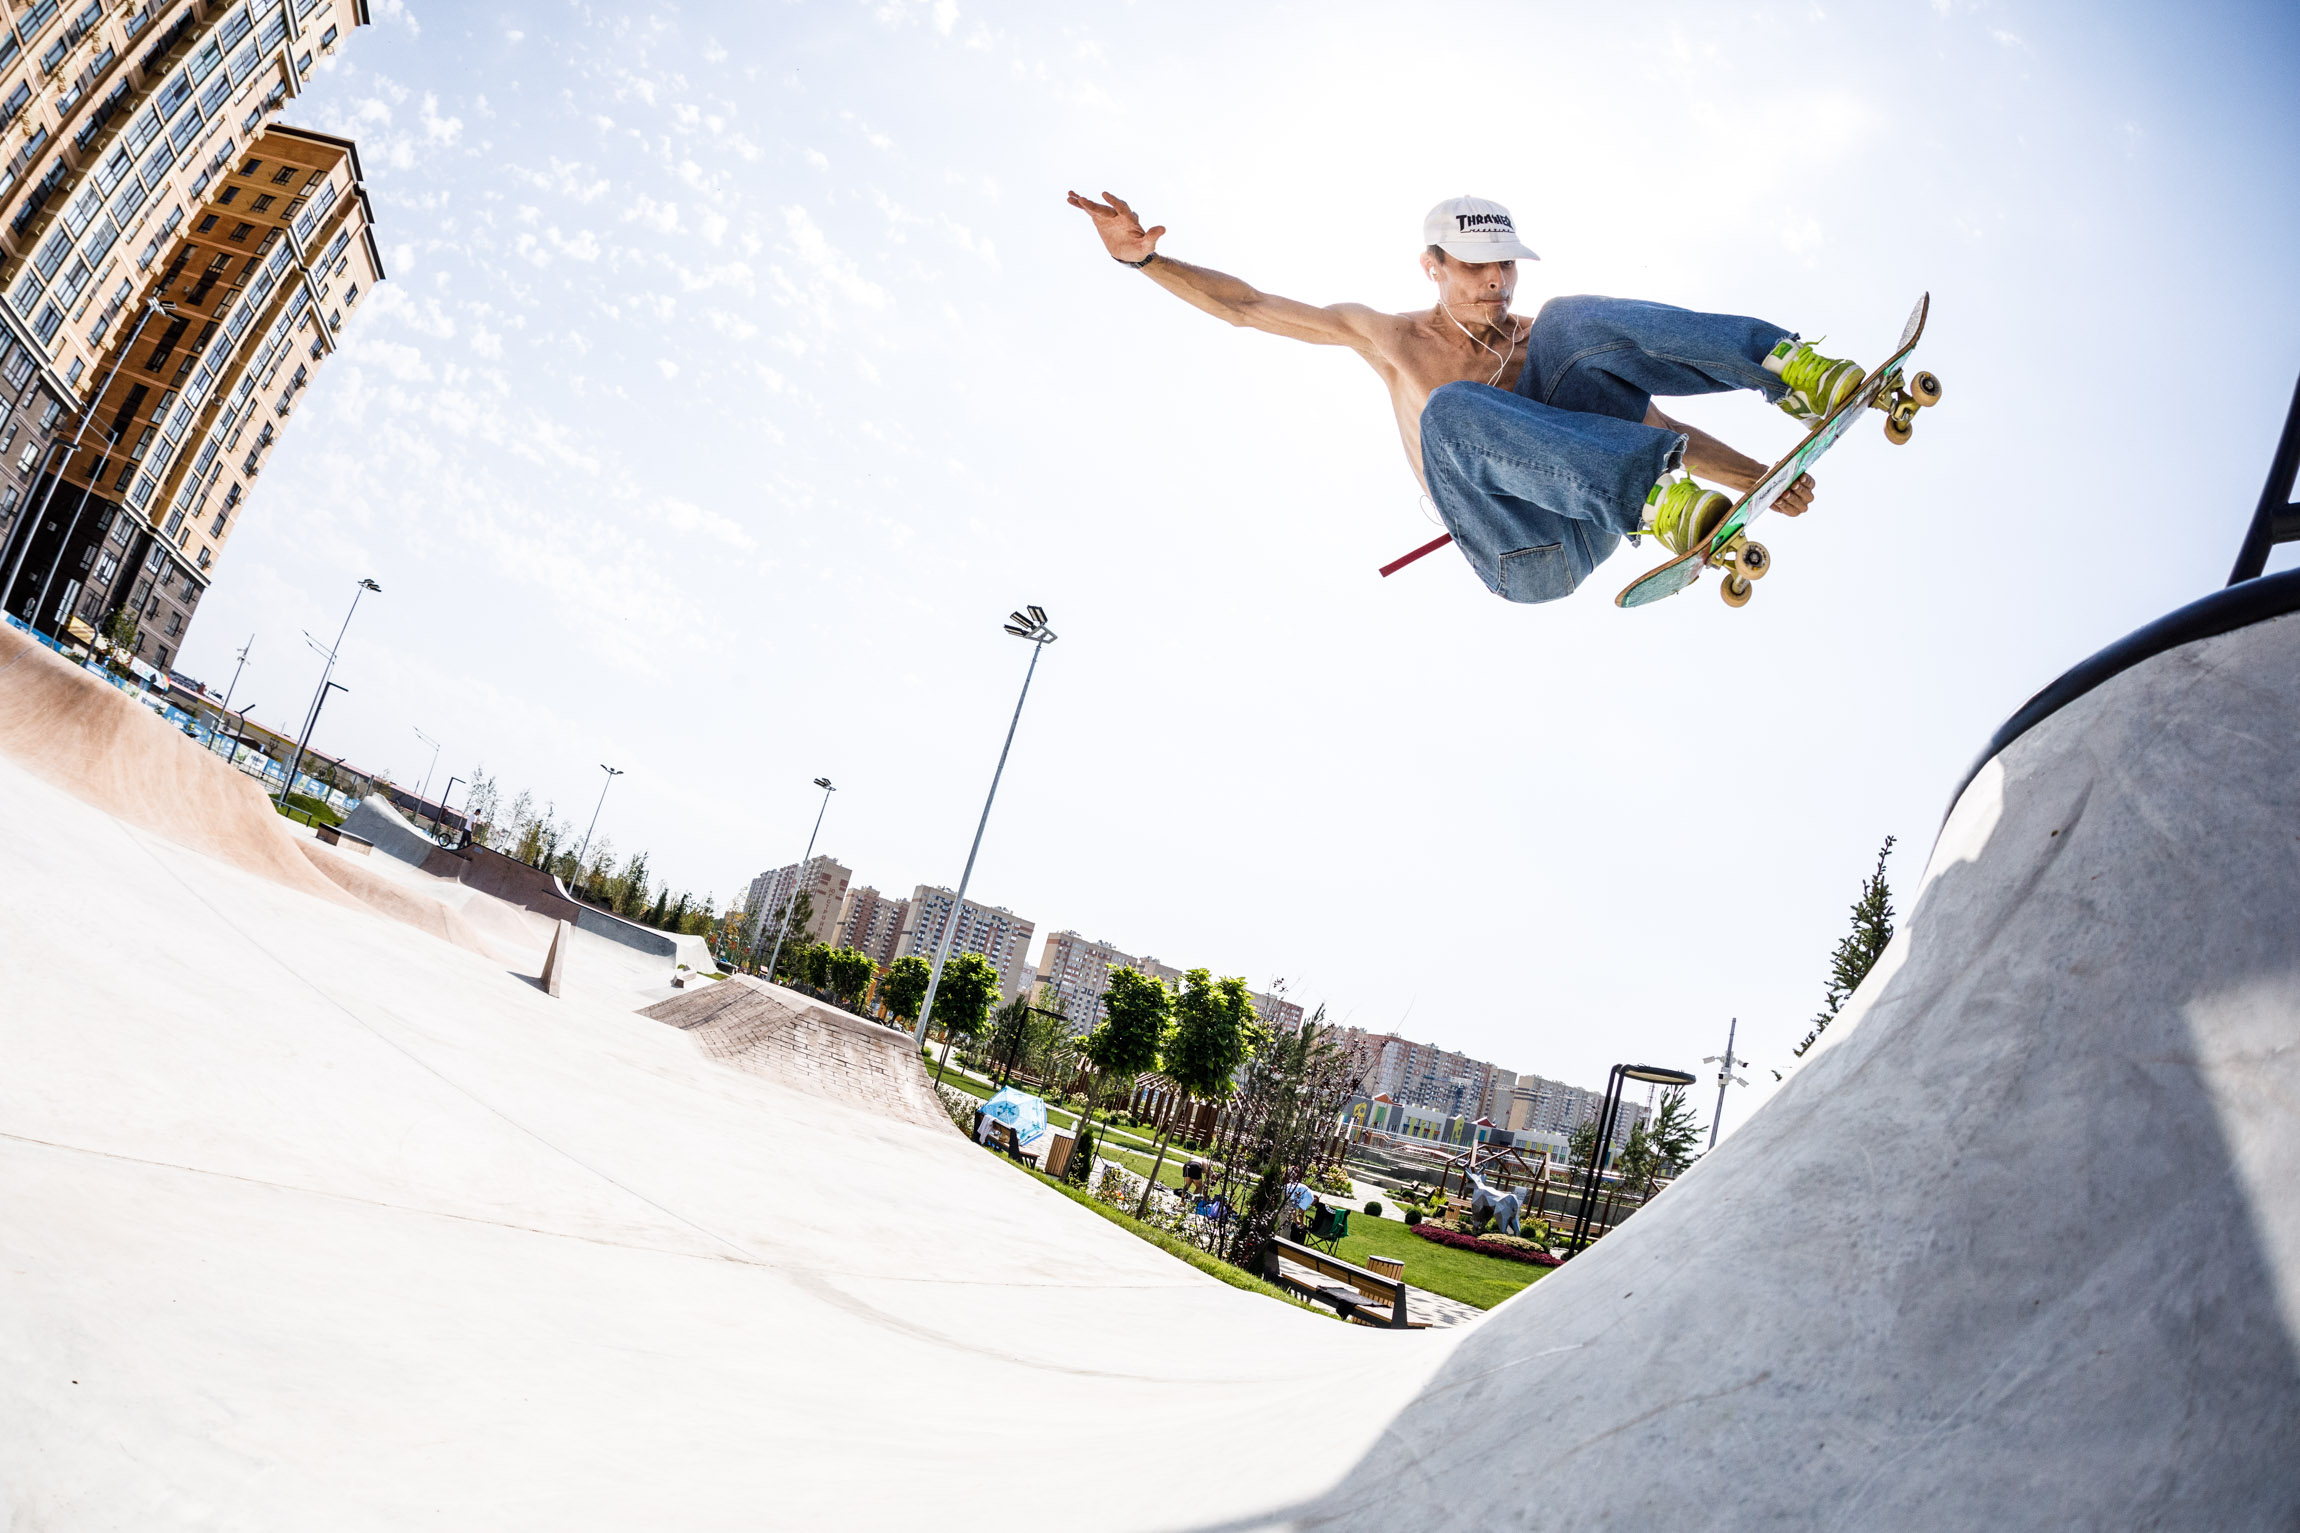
(1175, 1246)
(304, 805)
(1465, 1275)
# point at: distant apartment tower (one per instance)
(1542, 1106)
(991, 930)
(871, 923)
(176, 264)
(826, 891)
(1077, 970)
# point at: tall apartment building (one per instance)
(1539, 1105)
(991, 930)
(1419, 1074)
(871, 922)
(175, 265)
(1076, 970)
(826, 890)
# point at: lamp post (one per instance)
(1029, 624)
(584, 850)
(152, 306)
(311, 720)
(423, 794)
(1725, 1077)
(798, 881)
(444, 794)
(1602, 1150)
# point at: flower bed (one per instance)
(1461, 1242)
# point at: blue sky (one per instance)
(740, 367)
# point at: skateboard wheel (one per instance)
(1898, 431)
(1756, 561)
(1925, 389)
(1735, 590)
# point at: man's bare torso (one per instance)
(1414, 357)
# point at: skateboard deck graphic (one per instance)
(1729, 547)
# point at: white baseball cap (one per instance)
(1474, 230)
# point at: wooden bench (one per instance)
(1354, 1293)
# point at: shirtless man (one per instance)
(1536, 439)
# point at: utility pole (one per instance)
(1725, 1063)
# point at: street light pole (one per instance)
(1725, 1077)
(1602, 1150)
(311, 720)
(152, 306)
(423, 794)
(798, 881)
(439, 820)
(1029, 625)
(584, 850)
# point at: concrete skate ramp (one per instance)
(109, 750)
(780, 1034)
(310, 1221)
(2020, 1246)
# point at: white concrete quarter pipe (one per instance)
(315, 1218)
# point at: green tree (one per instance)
(1581, 1144)
(1674, 1135)
(1009, 1034)
(904, 988)
(1214, 1033)
(790, 925)
(815, 966)
(850, 973)
(627, 890)
(1136, 1011)
(1857, 953)
(962, 1001)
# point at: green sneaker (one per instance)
(1680, 513)
(1817, 384)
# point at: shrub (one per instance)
(1374, 1210)
(1413, 1217)
(1459, 1241)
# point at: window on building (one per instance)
(284, 175)
(206, 554)
(8, 499)
(351, 297)
(72, 373)
(216, 528)
(24, 458)
(230, 196)
(264, 203)
(251, 167)
(240, 233)
(303, 65)
(327, 38)
(208, 223)
(167, 655)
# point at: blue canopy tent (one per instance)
(1021, 1112)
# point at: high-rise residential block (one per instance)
(1076, 970)
(175, 266)
(826, 889)
(991, 930)
(871, 923)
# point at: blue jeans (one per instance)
(1539, 485)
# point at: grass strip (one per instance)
(1174, 1245)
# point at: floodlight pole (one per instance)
(798, 880)
(1032, 627)
(1725, 1077)
(311, 720)
(584, 850)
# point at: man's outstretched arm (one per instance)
(1707, 458)
(1219, 294)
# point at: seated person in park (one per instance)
(1194, 1176)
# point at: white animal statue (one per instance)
(1485, 1203)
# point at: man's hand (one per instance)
(1798, 498)
(1122, 233)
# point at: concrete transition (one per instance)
(311, 1218)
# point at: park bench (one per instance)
(1352, 1291)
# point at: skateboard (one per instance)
(1729, 547)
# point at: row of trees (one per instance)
(626, 886)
